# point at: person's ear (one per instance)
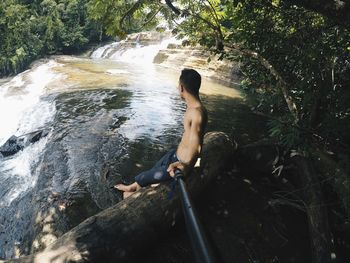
(182, 88)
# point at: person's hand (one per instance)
(173, 166)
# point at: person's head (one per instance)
(189, 81)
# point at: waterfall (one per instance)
(104, 52)
(23, 109)
(132, 52)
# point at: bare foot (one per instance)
(127, 194)
(128, 189)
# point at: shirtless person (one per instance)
(185, 157)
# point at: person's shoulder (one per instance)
(197, 112)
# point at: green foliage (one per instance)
(30, 29)
(289, 136)
(310, 54)
(122, 17)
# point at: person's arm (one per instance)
(193, 149)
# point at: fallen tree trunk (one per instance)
(125, 229)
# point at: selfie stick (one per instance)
(200, 244)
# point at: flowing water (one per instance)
(108, 116)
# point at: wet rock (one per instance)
(75, 172)
(177, 56)
(36, 136)
(16, 144)
(12, 146)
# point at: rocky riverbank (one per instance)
(176, 56)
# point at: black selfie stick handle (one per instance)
(200, 244)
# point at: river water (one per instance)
(109, 117)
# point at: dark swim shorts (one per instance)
(158, 173)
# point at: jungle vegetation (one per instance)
(295, 58)
(31, 29)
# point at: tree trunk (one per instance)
(134, 224)
(316, 211)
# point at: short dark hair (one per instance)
(191, 80)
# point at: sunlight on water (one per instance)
(143, 56)
(152, 105)
(20, 108)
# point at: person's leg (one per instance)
(128, 189)
(158, 173)
(152, 176)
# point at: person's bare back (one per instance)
(195, 121)
(187, 152)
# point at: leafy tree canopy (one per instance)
(30, 29)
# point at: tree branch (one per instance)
(216, 28)
(149, 20)
(282, 85)
(213, 12)
(131, 11)
(212, 26)
(172, 7)
(216, 18)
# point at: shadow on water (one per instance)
(234, 117)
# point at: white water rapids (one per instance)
(22, 110)
(140, 55)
